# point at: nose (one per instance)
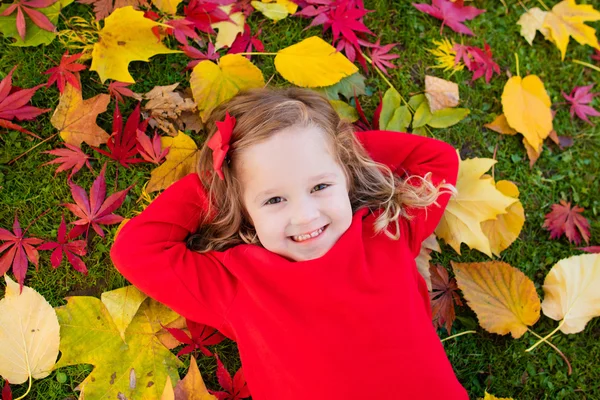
(304, 212)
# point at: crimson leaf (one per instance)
(64, 72)
(71, 248)
(202, 336)
(564, 220)
(69, 157)
(235, 388)
(451, 13)
(579, 98)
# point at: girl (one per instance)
(297, 239)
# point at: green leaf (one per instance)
(400, 120)
(420, 131)
(415, 101)
(345, 111)
(447, 117)
(35, 35)
(345, 87)
(391, 101)
(422, 115)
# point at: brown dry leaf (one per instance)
(503, 298)
(443, 296)
(440, 93)
(76, 118)
(168, 108)
(192, 387)
(430, 244)
(500, 125)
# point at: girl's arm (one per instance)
(411, 154)
(150, 251)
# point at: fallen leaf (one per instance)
(440, 93)
(229, 29)
(313, 63)
(76, 118)
(151, 151)
(201, 336)
(23, 7)
(119, 89)
(181, 160)
(214, 84)
(17, 250)
(64, 243)
(564, 220)
(500, 125)
(446, 55)
(492, 397)
(422, 260)
(349, 87)
(447, 117)
(35, 35)
(444, 293)
(344, 110)
(479, 61)
(477, 200)
(168, 393)
(235, 388)
(29, 334)
(503, 298)
(89, 336)
(64, 72)
(505, 229)
(104, 8)
(572, 292)
(531, 22)
(127, 36)
(244, 43)
(70, 157)
(274, 11)
(166, 107)
(579, 98)
(167, 6)
(451, 13)
(192, 387)
(6, 392)
(591, 249)
(122, 305)
(380, 57)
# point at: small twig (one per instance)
(43, 141)
(35, 219)
(555, 349)
(269, 81)
(544, 5)
(587, 65)
(458, 334)
(517, 61)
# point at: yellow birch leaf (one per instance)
(181, 160)
(313, 63)
(532, 153)
(127, 36)
(136, 368)
(440, 93)
(29, 334)
(167, 6)
(500, 125)
(503, 297)
(572, 291)
(76, 118)
(122, 305)
(505, 229)
(526, 106)
(192, 387)
(214, 84)
(274, 11)
(567, 19)
(531, 22)
(168, 393)
(477, 200)
(228, 30)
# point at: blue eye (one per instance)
(277, 202)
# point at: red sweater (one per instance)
(354, 324)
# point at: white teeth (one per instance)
(308, 236)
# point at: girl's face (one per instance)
(293, 186)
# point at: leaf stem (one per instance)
(517, 61)
(43, 141)
(545, 338)
(555, 349)
(457, 335)
(587, 65)
(544, 5)
(28, 389)
(254, 53)
(35, 220)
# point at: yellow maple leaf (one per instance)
(572, 292)
(505, 229)
(192, 386)
(76, 118)
(228, 30)
(167, 6)
(313, 63)
(122, 305)
(526, 106)
(531, 22)
(477, 200)
(181, 160)
(213, 84)
(127, 36)
(567, 20)
(503, 297)
(500, 125)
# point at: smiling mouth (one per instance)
(308, 237)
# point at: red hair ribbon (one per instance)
(219, 142)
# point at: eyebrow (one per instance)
(314, 178)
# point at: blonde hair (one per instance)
(262, 113)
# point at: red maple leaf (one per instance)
(451, 14)
(443, 296)
(17, 249)
(103, 8)
(203, 14)
(579, 98)
(202, 336)
(13, 105)
(235, 388)
(244, 43)
(243, 6)
(37, 17)
(69, 157)
(95, 210)
(352, 51)
(151, 151)
(364, 123)
(122, 144)
(479, 61)
(198, 56)
(71, 248)
(182, 29)
(591, 249)
(381, 58)
(64, 72)
(6, 392)
(566, 220)
(118, 89)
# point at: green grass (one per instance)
(482, 361)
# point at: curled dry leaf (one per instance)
(440, 93)
(443, 295)
(430, 244)
(572, 292)
(29, 334)
(171, 111)
(503, 298)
